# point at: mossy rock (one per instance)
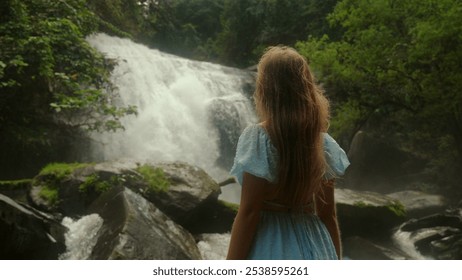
(68, 188)
(16, 189)
(367, 214)
(180, 190)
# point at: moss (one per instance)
(89, 181)
(102, 186)
(51, 176)
(397, 208)
(361, 204)
(62, 170)
(99, 185)
(15, 183)
(233, 206)
(155, 177)
(49, 194)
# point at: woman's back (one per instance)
(282, 164)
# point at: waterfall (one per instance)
(188, 110)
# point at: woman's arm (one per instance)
(254, 191)
(325, 209)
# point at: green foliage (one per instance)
(52, 175)
(395, 71)
(95, 182)
(15, 183)
(60, 171)
(248, 27)
(50, 194)
(183, 27)
(50, 78)
(360, 204)
(232, 32)
(397, 208)
(123, 18)
(155, 177)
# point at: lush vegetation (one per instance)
(396, 72)
(52, 83)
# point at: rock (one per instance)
(17, 190)
(135, 229)
(226, 114)
(189, 198)
(448, 247)
(420, 204)
(76, 186)
(378, 166)
(437, 236)
(217, 216)
(56, 189)
(367, 214)
(26, 233)
(358, 248)
(436, 220)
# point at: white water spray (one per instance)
(81, 237)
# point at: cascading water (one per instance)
(187, 110)
(81, 236)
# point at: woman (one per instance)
(286, 166)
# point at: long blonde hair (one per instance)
(295, 112)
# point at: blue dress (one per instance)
(283, 235)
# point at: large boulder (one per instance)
(26, 233)
(420, 204)
(62, 188)
(367, 214)
(216, 216)
(377, 165)
(135, 229)
(187, 193)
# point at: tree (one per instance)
(248, 27)
(396, 70)
(51, 80)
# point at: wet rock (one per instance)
(367, 214)
(420, 204)
(436, 220)
(378, 166)
(17, 190)
(59, 190)
(358, 248)
(226, 114)
(26, 233)
(215, 217)
(76, 186)
(437, 236)
(190, 197)
(135, 229)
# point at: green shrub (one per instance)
(155, 177)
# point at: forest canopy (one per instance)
(396, 72)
